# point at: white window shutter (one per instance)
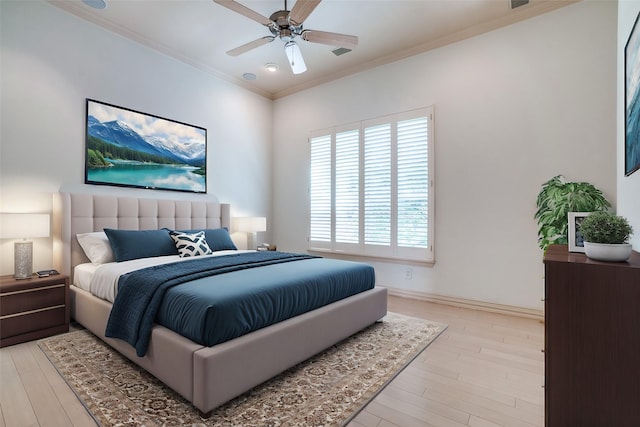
(320, 190)
(371, 191)
(347, 188)
(377, 185)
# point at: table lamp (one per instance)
(23, 226)
(250, 225)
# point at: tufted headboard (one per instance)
(76, 213)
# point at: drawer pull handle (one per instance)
(23, 313)
(62, 285)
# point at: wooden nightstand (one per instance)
(33, 308)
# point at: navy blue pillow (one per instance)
(133, 244)
(218, 239)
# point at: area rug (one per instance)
(327, 390)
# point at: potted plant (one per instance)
(556, 199)
(606, 236)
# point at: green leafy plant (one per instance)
(605, 227)
(556, 199)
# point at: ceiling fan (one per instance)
(287, 25)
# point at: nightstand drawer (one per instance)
(33, 308)
(32, 299)
(30, 321)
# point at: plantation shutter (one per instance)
(377, 185)
(413, 183)
(370, 189)
(320, 189)
(347, 186)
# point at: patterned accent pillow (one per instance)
(190, 244)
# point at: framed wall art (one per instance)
(576, 241)
(133, 149)
(632, 101)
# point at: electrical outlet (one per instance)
(408, 274)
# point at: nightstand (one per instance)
(33, 308)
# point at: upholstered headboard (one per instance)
(76, 213)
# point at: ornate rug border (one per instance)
(398, 372)
(66, 381)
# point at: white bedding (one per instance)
(102, 280)
(82, 275)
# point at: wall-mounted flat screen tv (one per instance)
(133, 149)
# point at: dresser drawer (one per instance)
(32, 299)
(22, 323)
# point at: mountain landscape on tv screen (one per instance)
(158, 150)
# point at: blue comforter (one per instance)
(221, 298)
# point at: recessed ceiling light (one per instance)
(96, 4)
(249, 76)
(272, 67)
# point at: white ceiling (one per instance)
(200, 32)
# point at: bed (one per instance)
(207, 376)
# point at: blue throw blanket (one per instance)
(140, 292)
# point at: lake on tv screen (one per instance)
(173, 177)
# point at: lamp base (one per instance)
(251, 240)
(23, 260)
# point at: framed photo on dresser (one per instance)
(576, 241)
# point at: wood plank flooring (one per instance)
(485, 370)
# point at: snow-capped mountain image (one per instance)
(118, 133)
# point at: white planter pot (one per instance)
(607, 251)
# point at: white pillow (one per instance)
(189, 245)
(96, 246)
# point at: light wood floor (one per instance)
(484, 370)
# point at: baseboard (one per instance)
(511, 310)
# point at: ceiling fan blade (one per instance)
(243, 10)
(301, 11)
(294, 55)
(251, 45)
(332, 39)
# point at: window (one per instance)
(371, 188)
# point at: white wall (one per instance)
(513, 108)
(628, 187)
(51, 61)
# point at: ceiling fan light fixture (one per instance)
(271, 67)
(295, 57)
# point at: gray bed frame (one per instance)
(206, 376)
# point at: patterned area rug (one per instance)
(329, 389)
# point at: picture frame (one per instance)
(632, 100)
(128, 148)
(576, 241)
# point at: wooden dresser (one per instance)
(592, 340)
(33, 308)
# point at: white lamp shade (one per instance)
(295, 57)
(24, 225)
(250, 224)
